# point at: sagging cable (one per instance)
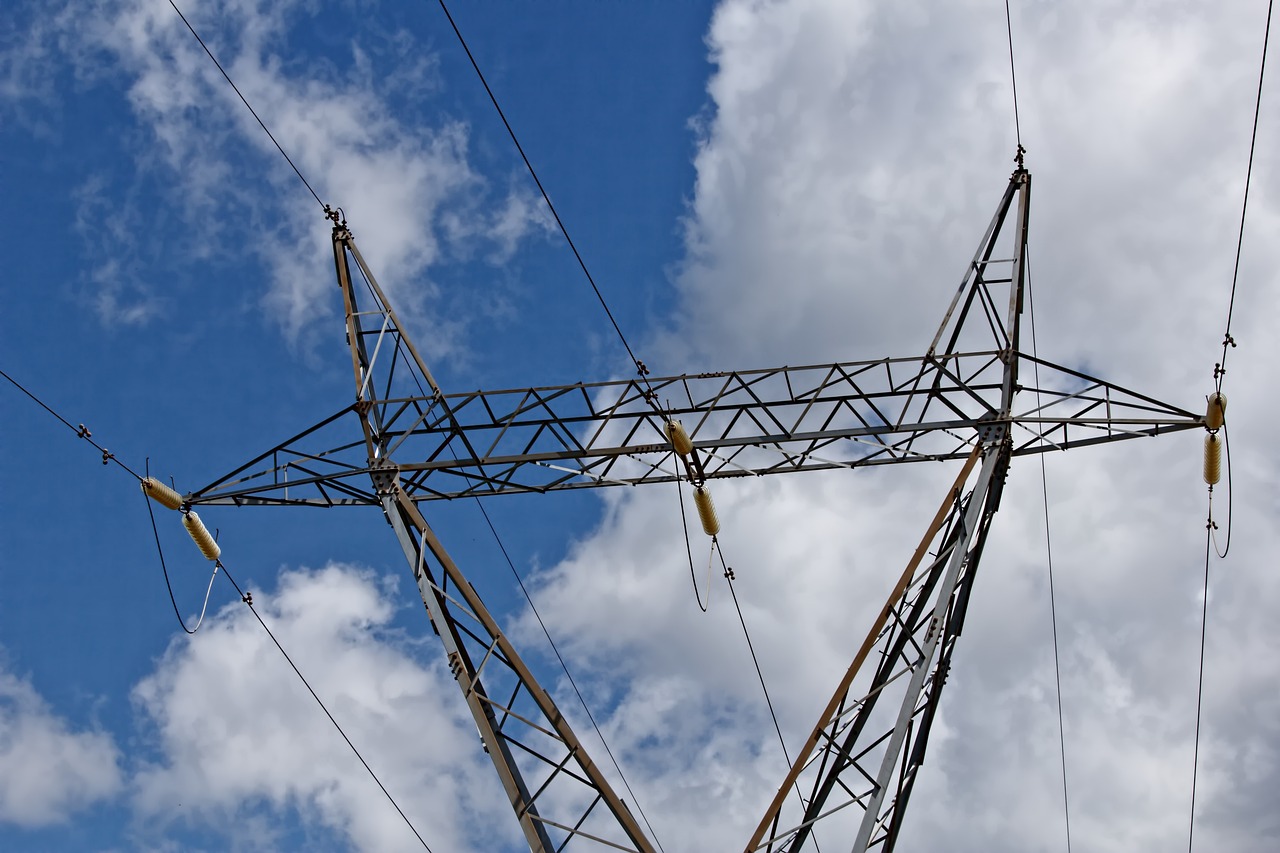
(165, 496)
(688, 547)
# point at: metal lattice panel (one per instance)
(404, 441)
(746, 423)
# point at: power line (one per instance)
(1048, 547)
(728, 576)
(164, 568)
(1221, 367)
(1044, 477)
(1219, 372)
(247, 599)
(1204, 613)
(511, 564)
(81, 431)
(249, 106)
(1013, 75)
(688, 549)
(1226, 451)
(641, 369)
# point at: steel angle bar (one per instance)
(227, 479)
(417, 539)
(1156, 405)
(735, 414)
(583, 473)
(578, 832)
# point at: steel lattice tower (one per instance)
(967, 398)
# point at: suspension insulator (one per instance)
(706, 511)
(679, 439)
(1215, 414)
(160, 493)
(1212, 459)
(201, 536)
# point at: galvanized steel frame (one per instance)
(956, 402)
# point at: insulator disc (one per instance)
(201, 536)
(680, 440)
(1216, 412)
(1212, 459)
(161, 494)
(706, 511)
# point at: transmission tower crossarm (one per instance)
(745, 423)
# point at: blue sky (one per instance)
(752, 184)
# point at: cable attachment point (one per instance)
(1215, 411)
(201, 536)
(1019, 156)
(336, 216)
(160, 493)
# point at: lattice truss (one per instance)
(404, 442)
(744, 422)
(558, 795)
(855, 772)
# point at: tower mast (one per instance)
(960, 400)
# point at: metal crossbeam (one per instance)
(961, 400)
(745, 423)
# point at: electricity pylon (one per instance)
(961, 400)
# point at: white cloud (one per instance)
(852, 158)
(116, 289)
(241, 738)
(408, 190)
(48, 771)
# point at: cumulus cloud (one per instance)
(242, 743)
(48, 770)
(849, 161)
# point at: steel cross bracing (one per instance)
(965, 399)
(856, 770)
(746, 423)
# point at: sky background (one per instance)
(752, 184)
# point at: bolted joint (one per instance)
(385, 475)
